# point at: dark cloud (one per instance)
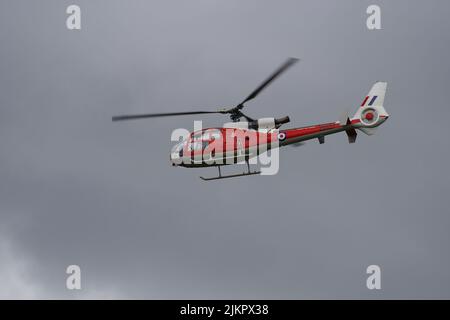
(78, 189)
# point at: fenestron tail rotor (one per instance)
(235, 112)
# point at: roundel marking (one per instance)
(369, 116)
(281, 136)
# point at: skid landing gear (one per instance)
(220, 176)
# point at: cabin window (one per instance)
(211, 134)
(197, 136)
(195, 146)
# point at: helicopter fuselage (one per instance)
(225, 146)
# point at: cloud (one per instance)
(83, 190)
(19, 278)
(16, 279)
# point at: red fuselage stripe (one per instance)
(299, 132)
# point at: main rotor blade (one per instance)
(289, 62)
(156, 115)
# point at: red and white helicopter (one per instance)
(239, 141)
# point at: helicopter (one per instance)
(245, 137)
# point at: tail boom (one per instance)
(367, 118)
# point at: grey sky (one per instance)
(76, 188)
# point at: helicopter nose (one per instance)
(174, 159)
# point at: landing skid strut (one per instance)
(220, 176)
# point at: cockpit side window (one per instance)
(195, 146)
(200, 140)
(211, 134)
(197, 136)
(178, 148)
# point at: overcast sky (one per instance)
(76, 188)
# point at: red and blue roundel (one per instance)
(369, 116)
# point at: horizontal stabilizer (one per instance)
(368, 131)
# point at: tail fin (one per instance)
(371, 113)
